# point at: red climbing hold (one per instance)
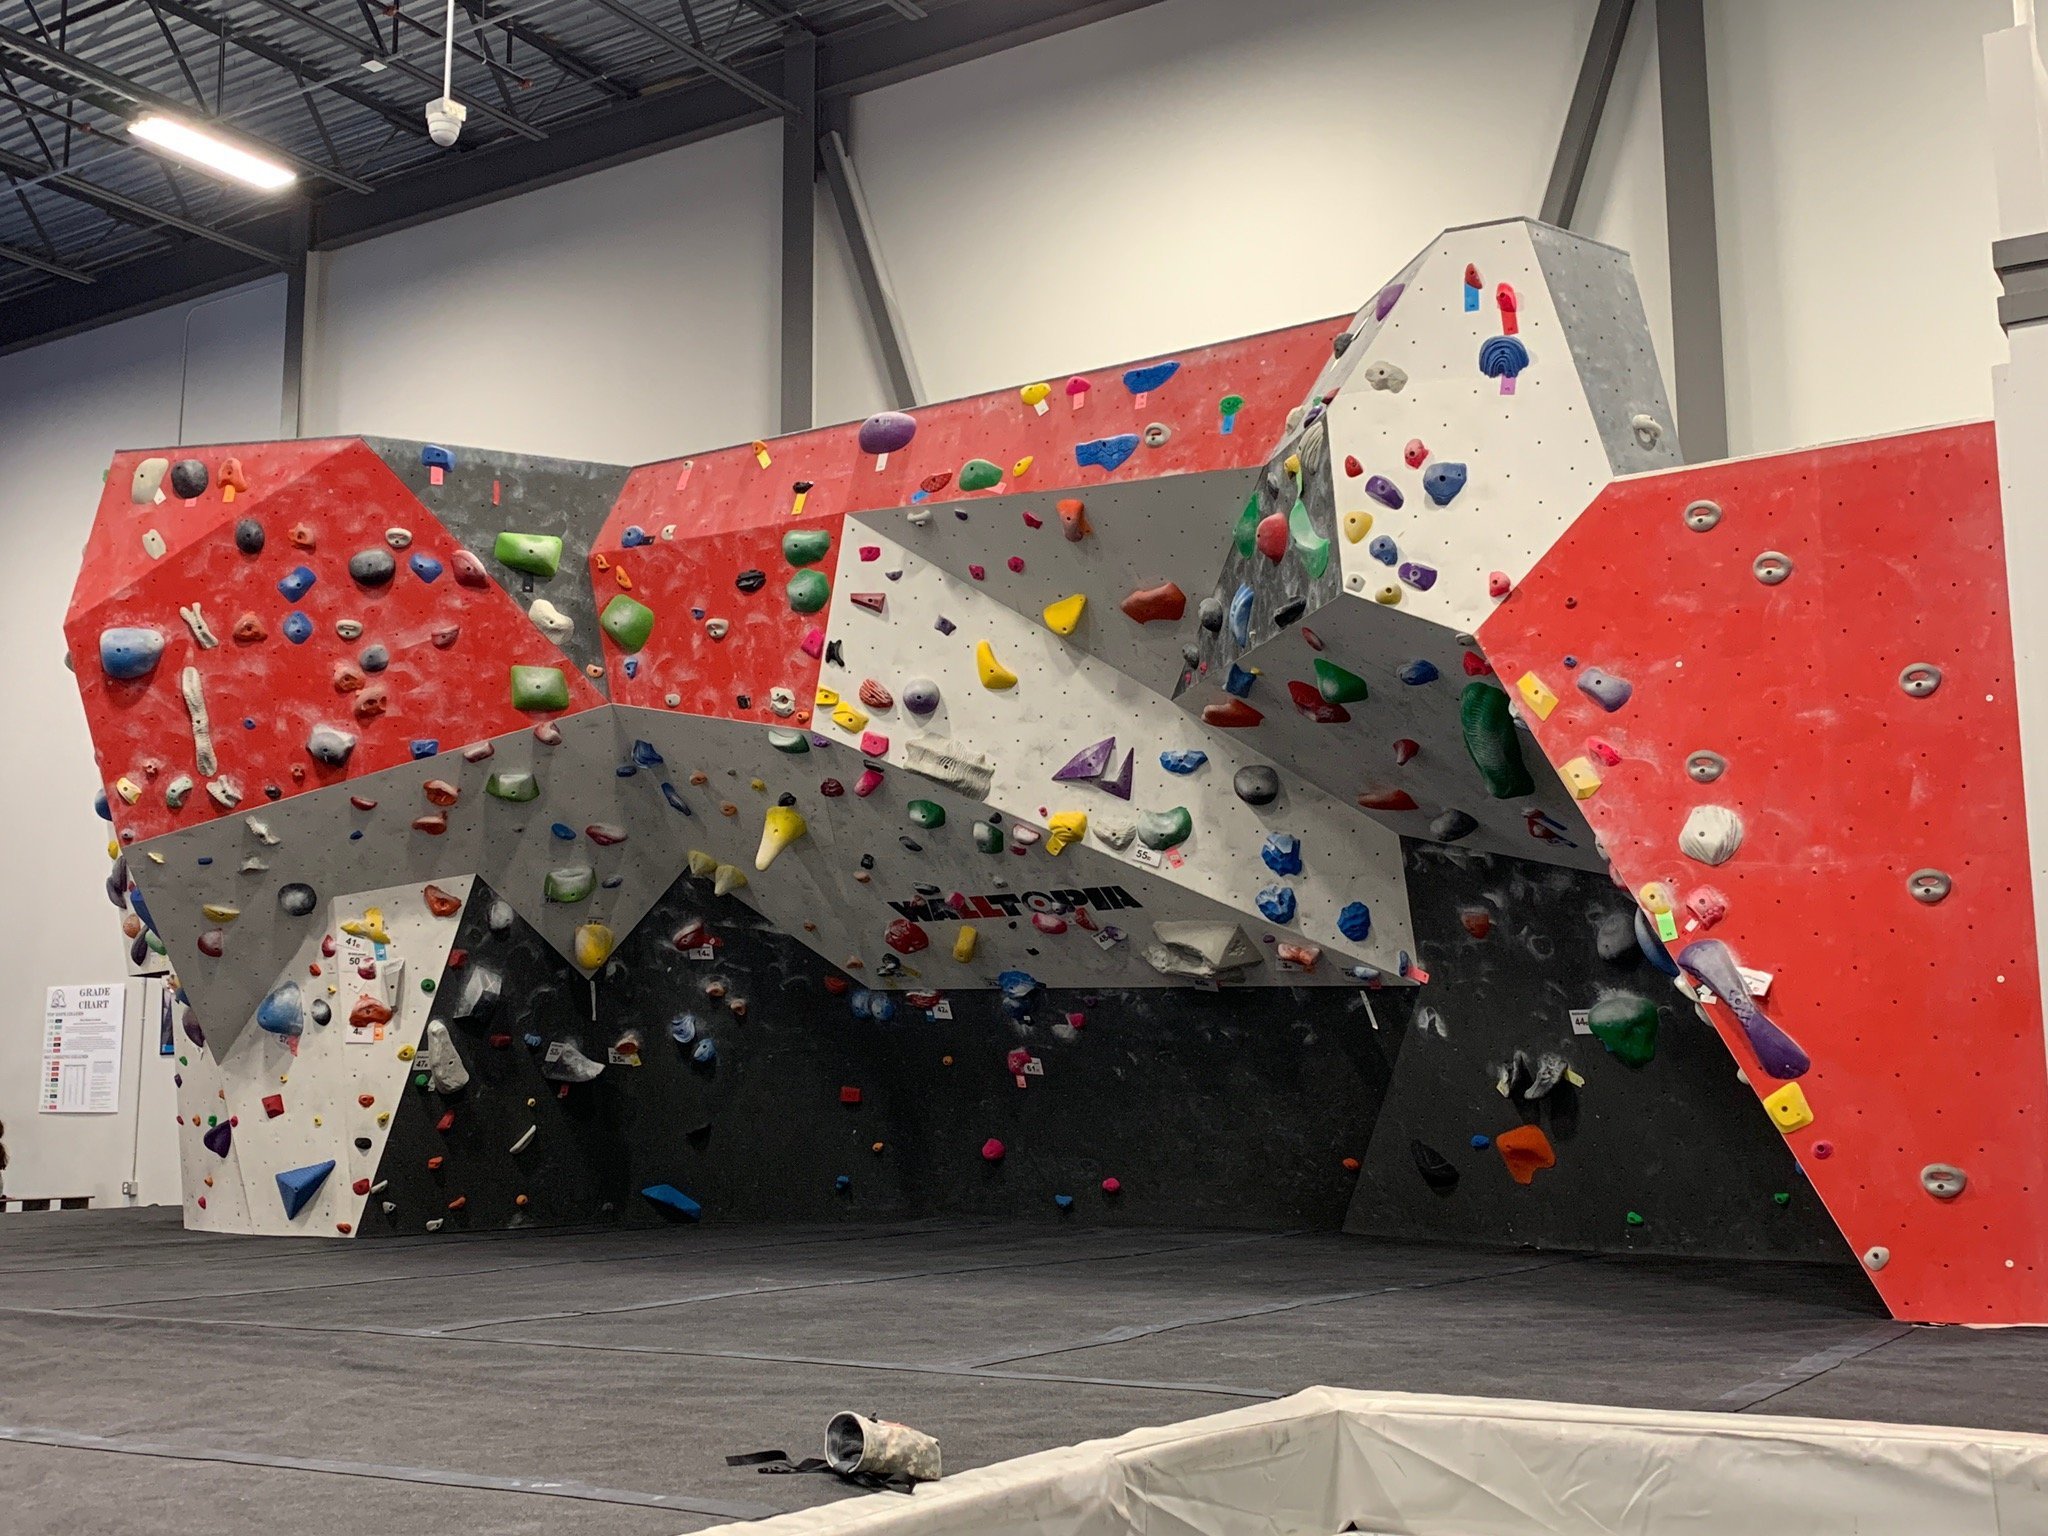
(361, 1186)
(433, 825)
(1475, 665)
(1387, 800)
(992, 1151)
(1525, 1150)
(1478, 921)
(1309, 700)
(1509, 304)
(440, 903)
(273, 1105)
(1498, 585)
(1352, 467)
(906, 937)
(1230, 712)
(1405, 750)
(446, 1123)
(1271, 537)
(368, 1013)
(849, 1095)
(1151, 605)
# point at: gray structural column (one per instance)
(877, 296)
(291, 416)
(799, 226)
(1698, 372)
(1588, 106)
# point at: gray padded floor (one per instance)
(162, 1382)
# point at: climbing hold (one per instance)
(1503, 358)
(979, 475)
(920, 696)
(296, 582)
(1711, 964)
(1160, 830)
(536, 554)
(1771, 567)
(297, 899)
(808, 591)
(670, 1201)
(1649, 431)
(1536, 695)
(994, 675)
(513, 786)
(1418, 672)
(1437, 1171)
(628, 621)
(282, 1011)
(886, 433)
(1498, 584)
(539, 688)
(296, 1187)
(1281, 853)
(1277, 903)
(1711, 834)
(1920, 679)
(1256, 784)
(1230, 713)
(1490, 738)
(806, 546)
(1183, 760)
(1384, 491)
(1106, 453)
(1703, 516)
(1384, 550)
(1386, 375)
(905, 936)
(593, 945)
(1064, 617)
(569, 884)
(130, 652)
(928, 814)
(1443, 480)
(1928, 886)
(1064, 828)
(146, 486)
(1580, 777)
(1270, 538)
(1526, 1151)
(1944, 1181)
(1704, 767)
(1876, 1258)
(1088, 763)
(1788, 1108)
(1149, 605)
(1605, 689)
(1626, 1025)
(781, 826)
(372, 567)
(1415, 574)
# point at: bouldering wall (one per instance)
(1783, 689)
(1545, 1015)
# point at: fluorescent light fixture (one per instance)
(211, 153)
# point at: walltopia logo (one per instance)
(1001, 904)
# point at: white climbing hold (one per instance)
(445, 1071)
(550, 620)
(1711, 834)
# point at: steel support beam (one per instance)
(1699, 375)
(1582, 118)
(23, 258)
(711, 66)
(291, 415)
(799, 228)
(108, 83)
(878, 297)
(127, 208)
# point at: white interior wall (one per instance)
(1196, 169)
(64, 409)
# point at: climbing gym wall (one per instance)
(904, 816)
(1782, 689)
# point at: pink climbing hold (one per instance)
(979, 573)
(871, 552)
(992, 1151)
(872, 601)
(1112, 1186)
(874, 744)
(869, 781)
(1415, 453)
(813, 642)
(1047, 922)
(1016, 564)
(1033, 520)
(1498, 585)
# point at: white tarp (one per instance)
(1326, 1460)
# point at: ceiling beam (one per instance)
(565, 58)
(55, 269)
(710, 64)
(128, 208)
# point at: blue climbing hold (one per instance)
(296, 582)
(630, 666)
(101, 808)
(671, 1201)
(1653, 951)
(1064, 1202)
(1106, 453)
(129, 652)
(1503, 357)
(1141, 381)
(1443, 480)
(843, 1183)
(706, 1052)
(425, 747)
(1277, 902)
(675, 800)
(683, 1028)
(426, 567)
(634, 537)
(881, 1006)
(857, 1000)
(1481, 1143)
(1182, 760)
(645, 755)
(297, 1186)
(297, 627)
(282, 1011)
(434, 456)
(1355, 921)
(1238, 683)
(1241, 615)
(1384, 550)
(1281, 853)
(533, 1042)
(1418, 672)
(1017, 989)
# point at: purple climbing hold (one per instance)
(887, 432)
(1712, 964)
(1119, 783)
(1383, 491)
(1420, 577)
(1384, 301)
(1089, 762)
(219, 1138)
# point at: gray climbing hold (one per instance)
(1615, 938)
(1702, 516)
(330, 745)
(1256, 784)
(1711, 834)
(1876, 1258)
(1648, 430)
(372, 567)
(1920, 679)
(1771, 567)
(1944, 1181)
(188, 479)
(1928, 886)
(562, 1062)
(249, 536)
(1452, 825)
(500, 917)
(148, 481)
(375, 658)
(1544, 1074)
(1605, 689)
(1210, 613)
(1703, 767)
(920, 696)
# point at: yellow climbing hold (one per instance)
(726, 879)
(964, 942)
(1536, 695)
(127, 789)
(1294, 465)
(827, 698)
(993, 673)
(1064, 827)
(405, 1053)
(1064, 616)
(783, 826)
(1390, 594)
(1022, 467)
(1581, 778)
(220, 912)
(1357, 525)
(1034, 395)
(1789, 1108)
(847, 718)
(369, 926)
(594, 944)
(702, 864)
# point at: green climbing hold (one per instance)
(808, 591)
(806, 546)
(539, 688)
(426, 983)
(1248, 527)
(929, 814)
(1490, 738)
(537, 554)
(1782, 1197)
(1313, 548)
(512, 786)
(1230, 405)
(1160, 830)
(628, 621)
(988, 837)
(1336, 685)
(1634, 1220)
(1626, 1025)
(572, 883)
(979, 475)
(792, 742)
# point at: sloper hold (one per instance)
(628, 621)
(1489, 728)
(539, 688)
(1437, 1171)
(1525, 1150)
(536, 554)
(671, 1202)
(1338, 686)
(1064, 617)
(1108, 454)
(1712, 964)
(1627, 1026)
(1152, 605)
(297, 1186)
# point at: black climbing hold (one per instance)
(1256, 784)
(188, 479)
(297, 899)
(785, 798)
(372, 567)
(249, 536)
(751, 580)
(321, 1011)
(832, 654)
(1289, 611)
(1452, 825)
(1437, 1171)
(867, 861)
(1340, 344)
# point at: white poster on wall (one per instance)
(82, 1049)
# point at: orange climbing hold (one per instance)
(1230, 712)
(1153, 605)
(1074, 521)
(1525, 1149)
(440, 903)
